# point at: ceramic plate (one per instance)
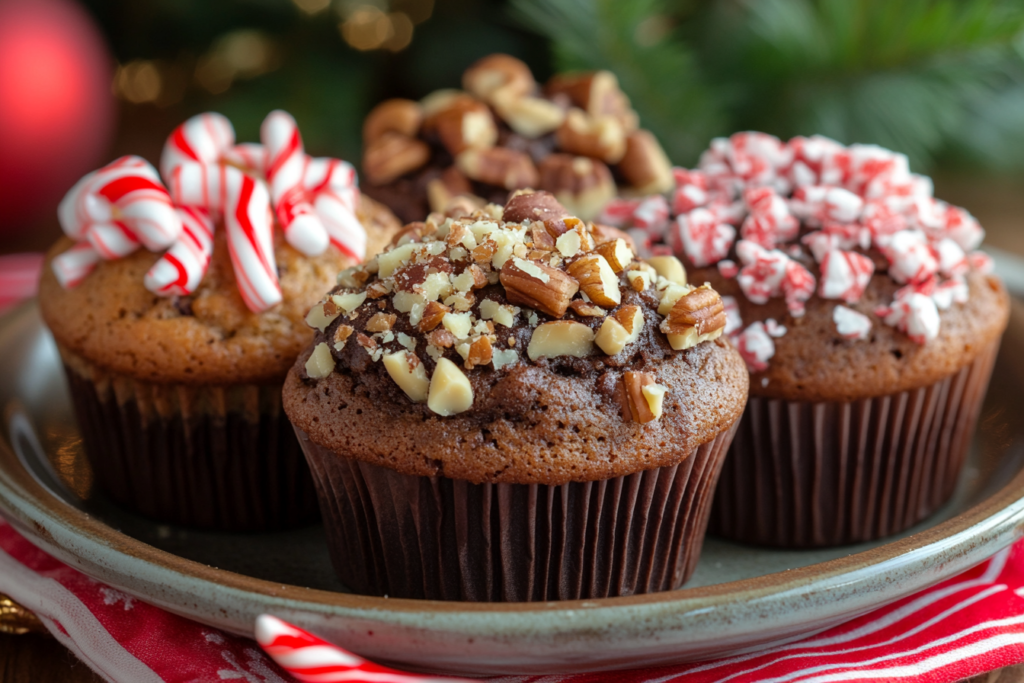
(740, 598)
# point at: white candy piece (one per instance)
(850, 324)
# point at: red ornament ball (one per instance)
(57, 112)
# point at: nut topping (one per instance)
(617, 253)
(498, 77)
(645, 165)
(498, 166)
(582, 184)
(320, 363)
(561, 338)
(381, 322)
(432, 316)
(450, 391)
(391, 156)
(600, 137)
(392, 116)
(643, 396)
(695, 317)
(597, 279)
(322, 315)
(552, 296)
(409, 374)
(620, 330)
(480, 353)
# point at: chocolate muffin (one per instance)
(509, 407)
(577, 137)
(869, 325)
(176, 388)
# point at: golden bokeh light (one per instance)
(367, 28)
(138, 81)
(312, 6)
(401, 32)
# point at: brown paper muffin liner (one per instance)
(444, 539)
(217, 458)
(803, 475)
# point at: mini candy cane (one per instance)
(845, 275)
(702, 238)
(72, 266)
(249, 157)
(312, 659)
(203, 139)
(124, 203)
(332, 185)
(755, 346)
(180, 270)
(251, 239)
(916, 315)
(850, 324)
(285, 167)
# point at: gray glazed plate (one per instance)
(740, 598)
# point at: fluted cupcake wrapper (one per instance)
(216, 458)
(803, 475)
(444, 539)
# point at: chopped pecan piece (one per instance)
(545, 288)
(597, 279)
(639, 409)
(392, 116)
(393, 155)
(499, 166)
(441, 338)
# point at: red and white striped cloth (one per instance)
(967, 625)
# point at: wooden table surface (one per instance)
(997, 203)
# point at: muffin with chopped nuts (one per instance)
(577, 136)
(510, 382)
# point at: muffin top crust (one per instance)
(207, 337)
(522, 321)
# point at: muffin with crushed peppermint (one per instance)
(515, 382)
(868, 320)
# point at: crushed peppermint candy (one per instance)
(845, 275)
(913, 313)
(850, 324)
(756, 346)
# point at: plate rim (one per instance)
(962, 541)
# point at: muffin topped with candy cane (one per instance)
(866, 315)
(178, 300)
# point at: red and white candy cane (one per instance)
(331, 183)
(312, 659)
(285, 166)
(845, 275)
(180, 270)
(120, 206)
(245, 205)
(203, 139)
(72, 266)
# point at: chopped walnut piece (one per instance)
(586, 308)
(485, 252)
(393, 155)
(479, 353)
(377, 289)
(432, 316)
(367, 343)
(639, 409)
(441, 338)
(620, 330)
(341, 335)
(552, 296)
(381, 322)
(597, 279)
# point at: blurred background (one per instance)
(84, 81)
